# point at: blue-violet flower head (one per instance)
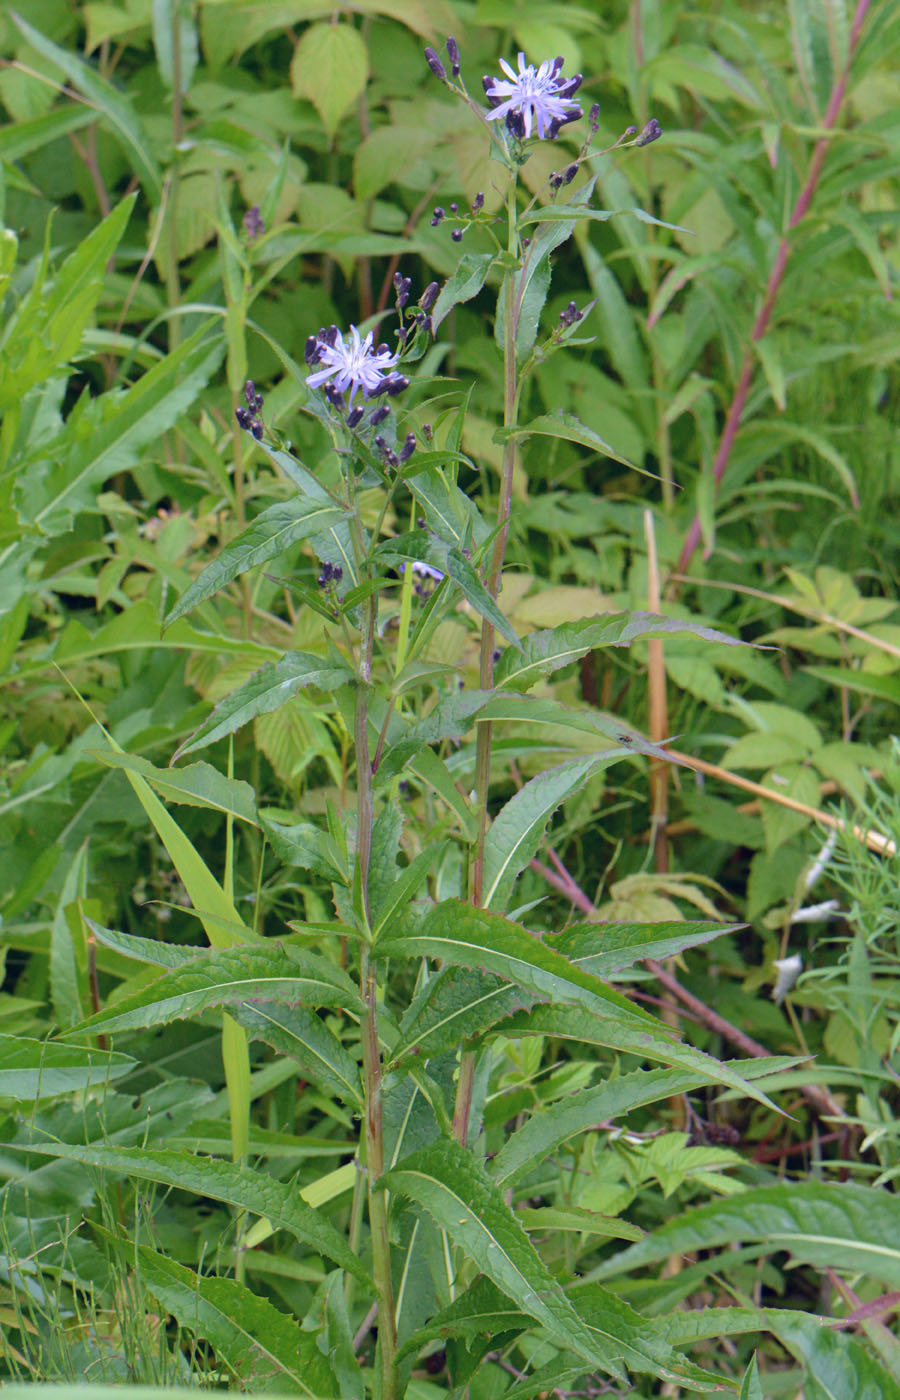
(355, 365)
(538, 95)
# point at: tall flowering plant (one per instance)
(438, 1268)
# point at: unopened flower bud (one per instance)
(379, 415)
(243, 417)
(355, 416)
(250, 392)
(594, 117)
(487, 83)
(478, 202)
(429, 296)
(630, 131)
(456, 235)
(453, 55)
(434, 63)
(556, 180)
(437, 217)
(571, 172)
(397, 384)
(651, 132)
(408, 448)
(256, 429)
(253, 224)
(571, 87)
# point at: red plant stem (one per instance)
(819, 1098)
(773, 286)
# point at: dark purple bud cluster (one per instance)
(429, 296)
(437, 217)
(248, 418)
(559, 178)
(434, 63)
(515, 125)
(379, 415)
(331, 574)
(408, 448)
(392, 385)
(427, 432)
(334, 396)
(403, 287)
(311, 353)
(387, 453)
(651, 132)
(354, 417)
(570, 315)
(594, 118)
(556, 126)
(453, 55)
(253, 224)
(457, 235)
(478, 202)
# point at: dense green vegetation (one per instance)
(448, 898)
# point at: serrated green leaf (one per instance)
(221, 977)
(455, 1005)
(267, 690)
(462, 935)
(148, 950)
(272, 532)
(837, 1365)
(653, 1043)
(36, 1069)
(466, 282)
(607, 948)
(547, 651)
(276, 1201)
(518, 828)
(300, 1033)
(570, 428)
(304, 846)
(260, 1344)
(844, 1226)
(197, 785)
(334, 545)
(460, 1196)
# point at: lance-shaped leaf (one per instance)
(518, 828)
(267, 689)
(554, 1124)
(223, 977)
(253, 1338)
(304, 846)
(334, 545)
(846, 1226)
(147, 950)
(457, 1004)
(272, 532)
(110, 432)
(547, 651)
(459, 934)
(607, 948)
(197, 785)
(571, 429)
(561, 213)
(466, 282)
(300, 1033)
(460, 1196)
(279, 1202)
(541, 711)
(422, 545)
(106, 100)
(615, 1032)
(34, 1069)
(451, 718)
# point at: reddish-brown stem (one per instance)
(773, 285)
(819, 1098)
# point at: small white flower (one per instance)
(534, 97)
(352, 366)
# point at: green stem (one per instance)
(372, 1072)
(484, 738)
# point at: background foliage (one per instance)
(746, 363)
